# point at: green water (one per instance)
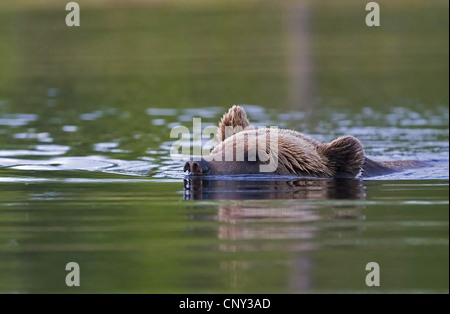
(86, 175)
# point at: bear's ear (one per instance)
(234, 121)
(345, 156)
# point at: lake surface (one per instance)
(86, 174)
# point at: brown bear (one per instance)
(243, 150)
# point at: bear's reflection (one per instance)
(198, 188)
(295, 225)
(296, 215)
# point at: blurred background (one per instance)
(85, 118)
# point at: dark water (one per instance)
(86, 175)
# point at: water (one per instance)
(86, 175)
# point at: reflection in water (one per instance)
(244, 221)
(198, 188)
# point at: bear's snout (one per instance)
(196, 167)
